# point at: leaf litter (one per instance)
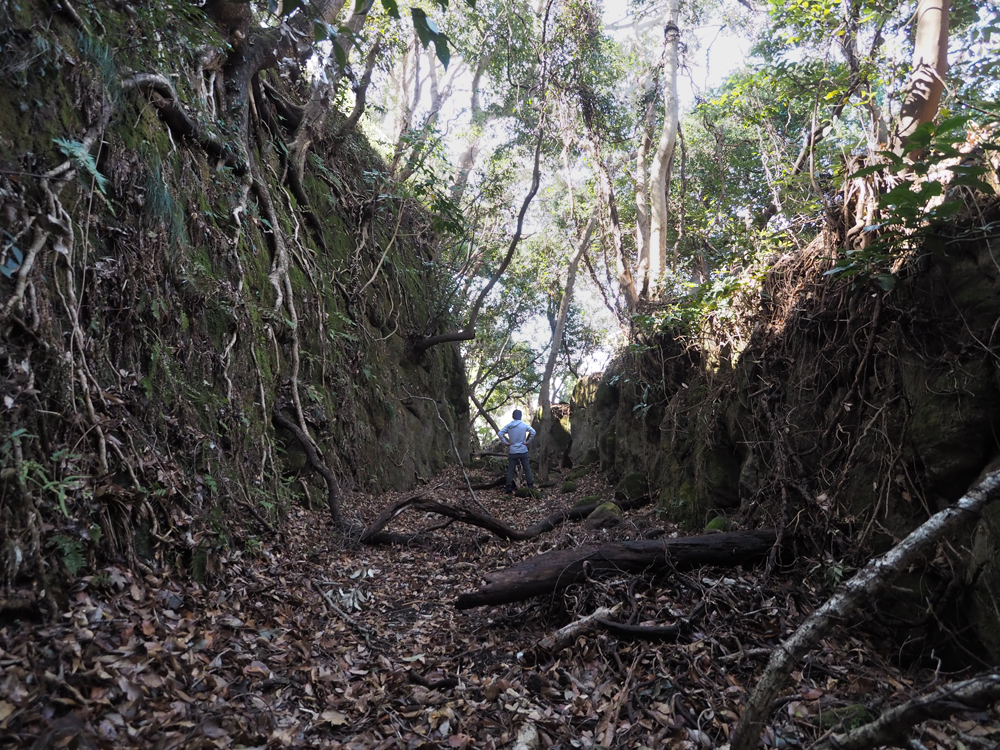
(309, 640)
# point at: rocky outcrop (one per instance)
(161, 294)
(850, 405)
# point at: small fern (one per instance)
(72, 553)
(76, 151)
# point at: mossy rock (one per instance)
(528, 492)
(568, 487)
(590, 458)
(607, 447)
(605, 516)
(719, 523)
(588, 500)
(578, 472)
(847, 717)
(632, 486)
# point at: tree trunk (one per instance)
(469, 332)
(478, 120)
(930, 62)
(642, 190)
(553, 571)
(659, 182)
(544, 395)
(606, 192)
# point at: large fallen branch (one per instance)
(894, 726)
(875, 577)
(552, 571)
(495, 526)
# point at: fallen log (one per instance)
(374, 534)
(551, 571)
(665, 633)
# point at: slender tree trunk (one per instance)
(930, 62)
(361, 89)
(468, 158)
(544, 396)
(659, 182)
(483, 413)
(642, 190)
(469, 331)
(606, 191)
(439, 95)
(406, 120)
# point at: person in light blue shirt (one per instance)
(516, 436)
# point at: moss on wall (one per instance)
(185, 345)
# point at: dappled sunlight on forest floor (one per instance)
(260, 657)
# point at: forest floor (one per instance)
(261, 659)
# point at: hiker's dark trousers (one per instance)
(512, 461)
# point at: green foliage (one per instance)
(425, 27)
(911, 210)
(82, 158)
(72, 553)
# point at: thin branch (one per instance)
(892, 727)
(874, 578)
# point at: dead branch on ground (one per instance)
(860, 589)
(892, 727)
(485, 521)
(552, 571)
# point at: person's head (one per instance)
(517, 413)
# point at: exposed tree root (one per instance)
(159, 91)
(332, 485)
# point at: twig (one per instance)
(617, 702)
(359, 626)
(891, 728)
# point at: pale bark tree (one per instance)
(659, 181)
(930, 63)
(642, 184)
(606, 194)
(478, 122)
(414, 139)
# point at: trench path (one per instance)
(305, 640)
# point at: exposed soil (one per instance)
(260, 659)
